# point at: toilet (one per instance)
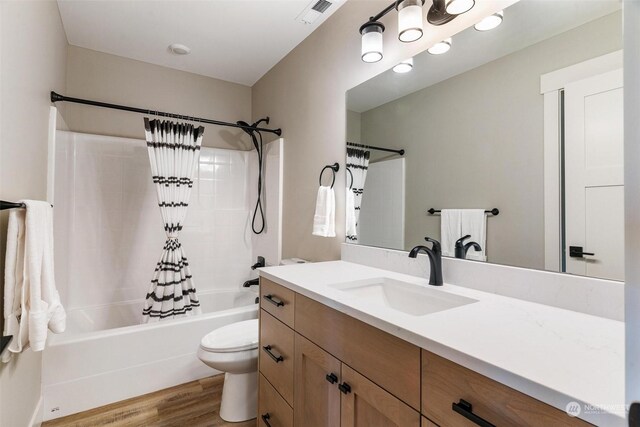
(233, 349)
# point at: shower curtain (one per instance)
(357, 163)
(174, 150)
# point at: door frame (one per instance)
(552, 87)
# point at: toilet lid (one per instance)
(234, 337)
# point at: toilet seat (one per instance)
(240, 336)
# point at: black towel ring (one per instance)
(335, 168)
(351, 175)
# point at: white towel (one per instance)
(455, 223)
(350, 213)
(324, 220)
(474, 222)
(31, 300)
(450, 221)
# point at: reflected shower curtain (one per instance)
(174, 150)
(357, 163)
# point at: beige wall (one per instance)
(490, 152)
(33, 58)
(109, 78)
(305, 95)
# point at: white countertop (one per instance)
(555, 355)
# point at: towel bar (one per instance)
(494, 211)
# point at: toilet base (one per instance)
(239, 397)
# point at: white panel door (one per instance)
(594, 176)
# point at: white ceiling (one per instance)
(525, 23)
(233, 40)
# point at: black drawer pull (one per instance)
(277, 359)
(273, 300)
(265, 419)
(465, 409)
(332, 378)
(345, 388)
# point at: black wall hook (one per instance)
(335, 168)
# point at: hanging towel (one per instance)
(474, 222)
(31, 301)
(450, 228)
(350, 208)
(455, 223)
(324, 220)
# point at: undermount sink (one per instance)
(408, 298)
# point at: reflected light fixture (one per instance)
(409, 20)
(490, 22)
(404, 67)
(372, 41)
(440, 47)
(458, 7)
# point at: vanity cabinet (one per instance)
(320, 367)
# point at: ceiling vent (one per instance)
(313, 11)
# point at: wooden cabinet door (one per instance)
(316, 394)
(364, 404)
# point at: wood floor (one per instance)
(194, 404)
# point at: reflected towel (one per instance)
(32, 303)
(324, 220)
(350, 213)
(455, 223)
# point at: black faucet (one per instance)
(435, 260)
(462, 248)
(259, 264)
(253, 282)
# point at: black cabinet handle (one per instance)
(332, 378)
(578, 252)
(277, 358)
(345, 388)
(265, 419)
(273, 300)
(465, 409)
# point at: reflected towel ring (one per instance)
(351, 175)
(335, 168)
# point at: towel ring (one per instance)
(351, 175)
(335, 168)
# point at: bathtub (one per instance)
(106, 355)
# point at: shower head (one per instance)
(246, 125)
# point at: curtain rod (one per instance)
(56, 97)
(388, 150)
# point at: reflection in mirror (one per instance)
(526, 118)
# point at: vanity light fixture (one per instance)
(404, 67)
(410, 24)
(409, 20)
(440, 47)
(458, 7)
(490, 22)
(372, 41)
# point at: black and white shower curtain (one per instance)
(358, 163)
(174, 150)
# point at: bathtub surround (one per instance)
(174, 152)
(32, 304)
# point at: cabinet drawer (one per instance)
(273, 410)
(276, 354)
(444, 383)
(277, 301)
(388, 361)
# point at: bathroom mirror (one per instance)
(523, 121)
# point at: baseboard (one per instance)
(37, 416)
